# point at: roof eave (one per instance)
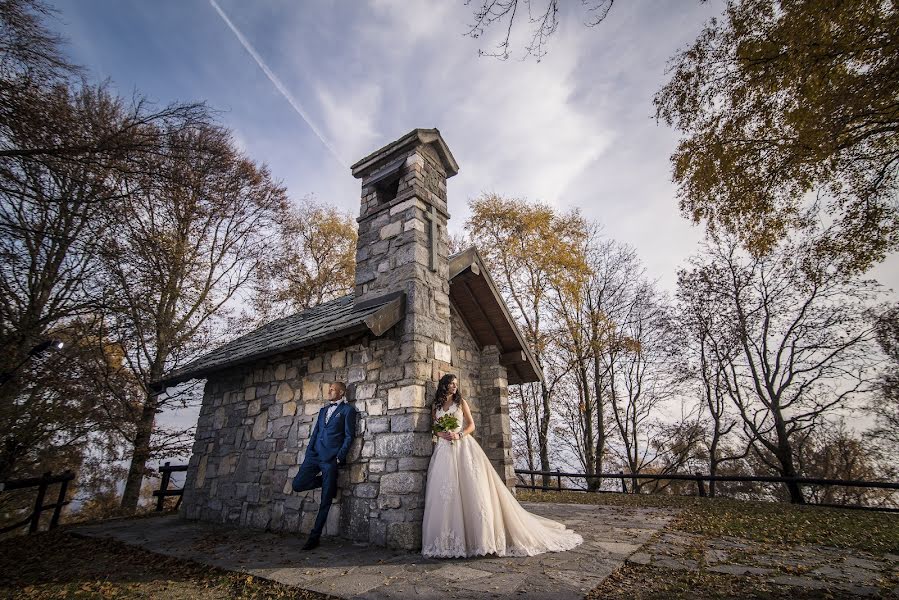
(392, 310)
(470, 260)
(413, 138)
(175, 377)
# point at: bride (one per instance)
(468, 509)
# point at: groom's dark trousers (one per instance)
(329, 443)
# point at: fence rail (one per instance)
(700, 479)
(164, 492)
(42, 483)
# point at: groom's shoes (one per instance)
(311, 543)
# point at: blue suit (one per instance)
(328, 447)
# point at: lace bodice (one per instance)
(455, 411)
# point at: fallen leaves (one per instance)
(766, 522)
(56, 564)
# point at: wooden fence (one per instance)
(164, 492)
(700, 480)
(42, 483)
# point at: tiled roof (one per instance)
(328, 320)
(471, 287)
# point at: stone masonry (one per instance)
(397, 251)
(257, 416)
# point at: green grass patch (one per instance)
(766, 522)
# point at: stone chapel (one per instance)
(416, 313)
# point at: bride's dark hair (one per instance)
(442, 393)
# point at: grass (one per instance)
(635, 582)
(766, 522)
(58, 564)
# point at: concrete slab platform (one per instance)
(350, 570)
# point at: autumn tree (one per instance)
(640, 360)
(32, 53)
(710, 343)
(568, 305)
(592, 315)
(885, 404)
(531, 249)
(312, 261)
(833, 451)
(190, 234)
(60, 180)
(53, 214)
(34, 65)
(782, 102)
(804, 346)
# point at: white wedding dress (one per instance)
(469, 511)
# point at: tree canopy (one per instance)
(787, 104)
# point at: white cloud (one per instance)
(524, 134)
(351, 117)
(513, 126)
(404, 23)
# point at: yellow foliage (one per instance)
(533, 250)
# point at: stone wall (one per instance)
(255, 420)
(403, 247)
(466, 365)
(252, 432)
(497, 439)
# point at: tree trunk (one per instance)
(785, 456)
(600, 423)
(529, 442)
(713, 456)
(544, 436)
(587, 416)
(8, 458)
(11, 447)
(140, 455)
(14, 362)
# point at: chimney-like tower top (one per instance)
(416, 137)
(402, 243)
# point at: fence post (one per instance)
(700, 484)
(558, 481)
(533, 485)
(61, 499)
(623, 484)
(39, 503)
(160, 501)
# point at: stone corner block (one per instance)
(442, 352)
(407, 396)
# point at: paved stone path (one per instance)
(851, 572)
(345, 569)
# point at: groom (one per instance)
(327, 449)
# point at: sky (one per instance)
(341, 79)
(311, 87)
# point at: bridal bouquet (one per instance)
(444, 423)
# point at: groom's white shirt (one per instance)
(332, 408)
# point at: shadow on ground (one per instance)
(346, 569)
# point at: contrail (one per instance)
(275, 81)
